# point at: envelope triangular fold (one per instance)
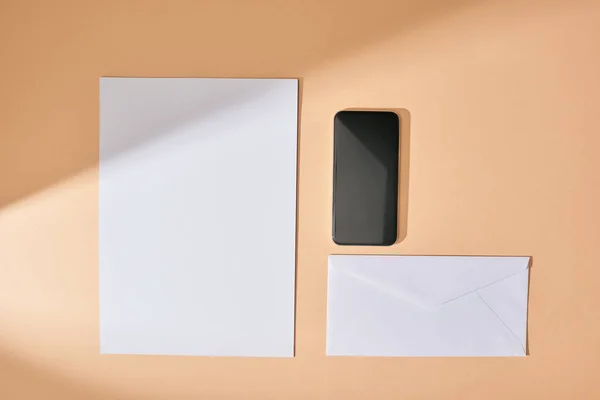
(427, 306)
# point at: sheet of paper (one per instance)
(392, 306)
(197, 214)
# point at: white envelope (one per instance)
(419, 306)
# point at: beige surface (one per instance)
(504, 142)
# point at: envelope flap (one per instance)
(429, 280)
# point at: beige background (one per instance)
(504, 160)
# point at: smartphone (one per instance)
(365, 177)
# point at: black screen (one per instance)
(365, 177)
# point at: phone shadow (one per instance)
(403, 173)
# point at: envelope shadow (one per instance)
(527, 320)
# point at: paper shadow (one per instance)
(298, 143)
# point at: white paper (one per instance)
(197, 214)
(427, 306)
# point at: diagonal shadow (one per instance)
(20, 380)
(273, 44)
(167, 113)
(49, 118)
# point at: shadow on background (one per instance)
(19, 380)
(287, 39)
(50, 99)
(527, 349)
(404, 174)
(298, 147)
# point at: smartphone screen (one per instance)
(365, 177)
